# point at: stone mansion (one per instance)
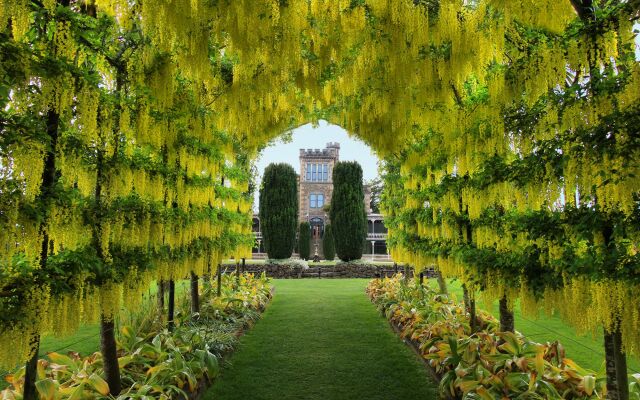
(315, 185)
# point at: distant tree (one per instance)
(348, 215)
(328, 243)
(279, 210)
(304, 241)
(253, 179)
(375, 186)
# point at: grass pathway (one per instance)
(322, 339)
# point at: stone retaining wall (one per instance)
(340, 270)
(278, 271)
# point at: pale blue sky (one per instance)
(309, 137)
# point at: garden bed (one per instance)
(485, 364)
(155, 362)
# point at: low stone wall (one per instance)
(353, 270)
(340, 270)
(278, 271)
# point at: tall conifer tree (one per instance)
(279, 210)
(348, 215)
(304, 241)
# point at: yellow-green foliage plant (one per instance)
(485, 363)
(128, 128)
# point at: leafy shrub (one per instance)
(485, 364)
(289, 263)
(156, 363)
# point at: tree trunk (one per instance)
(31, 371)
(195, 295)
(506, 316)
(46, 188)
(442, 284)
(610, 365)
(172, 304)
(621, 365)
(219, 275)
(616, 366)
(110, 354)
(470, 306)
(616, 360)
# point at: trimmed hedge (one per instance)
(328, 243)
(348, 215)
(279, 210)
(304, 241)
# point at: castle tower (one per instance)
(316, 184)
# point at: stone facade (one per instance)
(318, 184)
(312, 183)
(315, 184)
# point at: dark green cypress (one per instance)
(304, 241)
(279, 210)
(348, 215)
(328, 243)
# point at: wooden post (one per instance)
(244, 265)
(421, 278)
(395, 268)
(237, 274)
(195, 295)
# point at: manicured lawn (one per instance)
(322, 339)
(587, 351)
(85, 341)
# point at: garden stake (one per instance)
(237, 274)
(219, 276)
(172, 304)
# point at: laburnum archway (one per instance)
(509, 131)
